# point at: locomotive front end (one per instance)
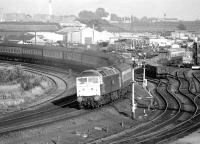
(88, 87)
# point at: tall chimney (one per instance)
(1, 14)
(50, 9)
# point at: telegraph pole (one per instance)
(144, 84)
(197, 48)
(93, 34)
(133, 95)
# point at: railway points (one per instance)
(174, 107)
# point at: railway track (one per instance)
(134, 133)
(59, 88)
(182, 125)
(55, 110)
(41, 113)
(177, 120)
(177, 114)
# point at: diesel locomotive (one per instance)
(100, 86)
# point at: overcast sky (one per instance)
(181, 9)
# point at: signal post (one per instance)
(133, 96)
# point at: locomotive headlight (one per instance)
(79, 99)
(97, 97)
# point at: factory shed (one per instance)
(16, 29)
(39, 41)
(85, 35)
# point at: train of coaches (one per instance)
(103, 78)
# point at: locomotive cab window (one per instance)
(81, 80)
(93, 80)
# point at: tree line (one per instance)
(97, 19)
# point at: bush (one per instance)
(13, 75)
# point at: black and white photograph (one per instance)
(99, 72)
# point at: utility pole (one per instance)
(133, 95)
(93, 34)
(144, 84)
(197, 49)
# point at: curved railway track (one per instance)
(177, 113)
(181, 125)
(54, 110)
(40, 113)
(61, 90)
(164, 113)
(177, 119)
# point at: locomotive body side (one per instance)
(111, 79)
(125, 74)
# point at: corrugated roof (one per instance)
(29, 27)
(68, 29)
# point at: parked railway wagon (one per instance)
(163, 71)
(150, 71)
(156, 71)
(100, 86)
(175, 53)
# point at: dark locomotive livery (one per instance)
(99, 86)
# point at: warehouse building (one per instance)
(84, 35)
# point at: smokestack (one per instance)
(50, 9)
(1, 14)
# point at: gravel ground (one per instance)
(101, 123)
(193, 138)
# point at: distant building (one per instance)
(40, 17)
(84, 35)
(182, 34)
(188, 57)
(17, 31)
(168, 20)
(162, 42)
(15, 17)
